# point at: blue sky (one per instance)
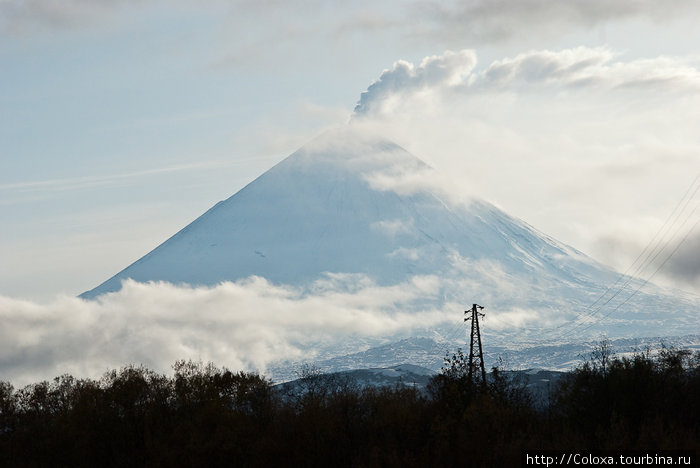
(122, 121)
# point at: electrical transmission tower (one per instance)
(475, 336)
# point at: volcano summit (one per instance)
(341, 205)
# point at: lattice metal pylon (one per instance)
(475, 359)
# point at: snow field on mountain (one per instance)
(360, 222)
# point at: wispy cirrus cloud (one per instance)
(21, 15)
(469, 21)
(17, 191)
(488, 21)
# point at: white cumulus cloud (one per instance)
(435, 72)
(440, 77)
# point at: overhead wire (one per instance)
(646, 281)
(653, 249)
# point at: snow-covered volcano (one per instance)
(362, 208)
(352, 206)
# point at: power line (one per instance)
(649, 279)
(656, 246)
(644, 282)
(652, 248)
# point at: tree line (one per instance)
(204, 415)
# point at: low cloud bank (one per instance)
(252, 324)
(243, 325)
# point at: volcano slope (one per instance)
(349, 211)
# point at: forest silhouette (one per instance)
(204, 415)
